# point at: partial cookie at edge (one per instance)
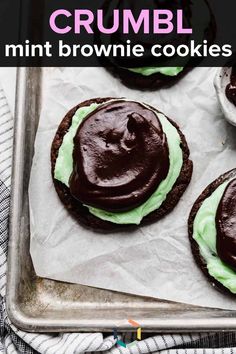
(194, 245)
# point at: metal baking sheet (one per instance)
(42, 305)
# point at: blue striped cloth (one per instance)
(13, 340)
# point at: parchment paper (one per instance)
(155, 260)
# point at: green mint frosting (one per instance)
(64, 167)
(204, 233)
(147, 71)
(64, 162)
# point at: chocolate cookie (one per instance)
(81, 213)
(119, 66)
(230, 90)
(150, 83)
(201, 262)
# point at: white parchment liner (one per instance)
(155, 260)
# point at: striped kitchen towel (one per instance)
(13, 340)
(6, 137)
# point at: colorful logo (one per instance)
(139, 335)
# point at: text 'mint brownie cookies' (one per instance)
(117, 162)
(212, 232)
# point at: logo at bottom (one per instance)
(139, 334)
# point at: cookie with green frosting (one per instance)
(149, 78)
(152, 71)
(119, 163)
(212, 225)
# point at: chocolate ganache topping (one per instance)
(226, 225)
(230, 90)
(120, 156)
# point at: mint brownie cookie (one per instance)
(212, 230)
(119, 163)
